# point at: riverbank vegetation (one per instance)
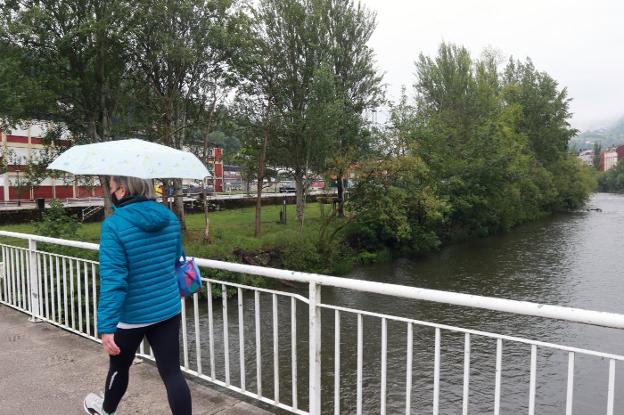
(612, 181)
(476, 147)
(281, 245)
(479, 150)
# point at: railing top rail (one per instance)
(599, 318)
(577, 315)
(56, 241)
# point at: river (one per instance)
(571, 259)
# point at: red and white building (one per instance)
(214, 164)
(26, 143)
(608, 159)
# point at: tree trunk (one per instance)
(164, 195)
(259, 207)
(261, 173)
(260, 184)
(179, 202)
(340, 187)
(299, 191)
(207, 238)
(169, 140)
(106, 190)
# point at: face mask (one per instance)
(114, 198)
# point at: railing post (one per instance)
(33, 274)
(315, 348)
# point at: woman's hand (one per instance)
(108, 341)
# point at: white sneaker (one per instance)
(93, 405)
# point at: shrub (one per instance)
(56, 223)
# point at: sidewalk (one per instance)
(46, 370)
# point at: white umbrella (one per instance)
(135, 158)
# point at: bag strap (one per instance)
(183, 255)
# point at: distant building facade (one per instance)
(608, 159)
(587, 157)
(24, 143)
(232, 179)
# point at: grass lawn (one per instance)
(230, 230)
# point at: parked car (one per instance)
(195, 189)
(286, 188)
(233, 187)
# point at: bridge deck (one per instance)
(46, 370)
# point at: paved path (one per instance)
(46, 370)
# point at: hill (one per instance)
(606, 137)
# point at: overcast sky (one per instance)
(579, 43)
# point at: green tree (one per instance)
(293, 29)
(545, 110)
(36, 166)
(545, 122)
(258, 116)
(179, 54)
(401, 126)
(460, 134)
(346, 31)
(56, 223)
(612, 181)
(256, 128)
(574, 183)
(67, 61)
(6, 155)
(394, 205)
(597, 151)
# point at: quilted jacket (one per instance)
(139, 246)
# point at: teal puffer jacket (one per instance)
(139, 246)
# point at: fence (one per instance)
(255, 334)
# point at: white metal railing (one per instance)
(244, 348)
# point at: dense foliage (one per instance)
(56, 223)
(612, 181)
(479, 151)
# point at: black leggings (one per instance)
(163, 337)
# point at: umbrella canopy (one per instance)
(135, 158)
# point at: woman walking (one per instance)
(139, 295)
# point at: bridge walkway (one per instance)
(46, 370)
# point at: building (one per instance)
(232, 179)
(608, 159)
(587, 157)
(214, 164)
(620, 152)
(25, 143)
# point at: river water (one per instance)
(571, 259)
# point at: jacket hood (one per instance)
(146, 215)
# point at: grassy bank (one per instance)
(233, 239)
